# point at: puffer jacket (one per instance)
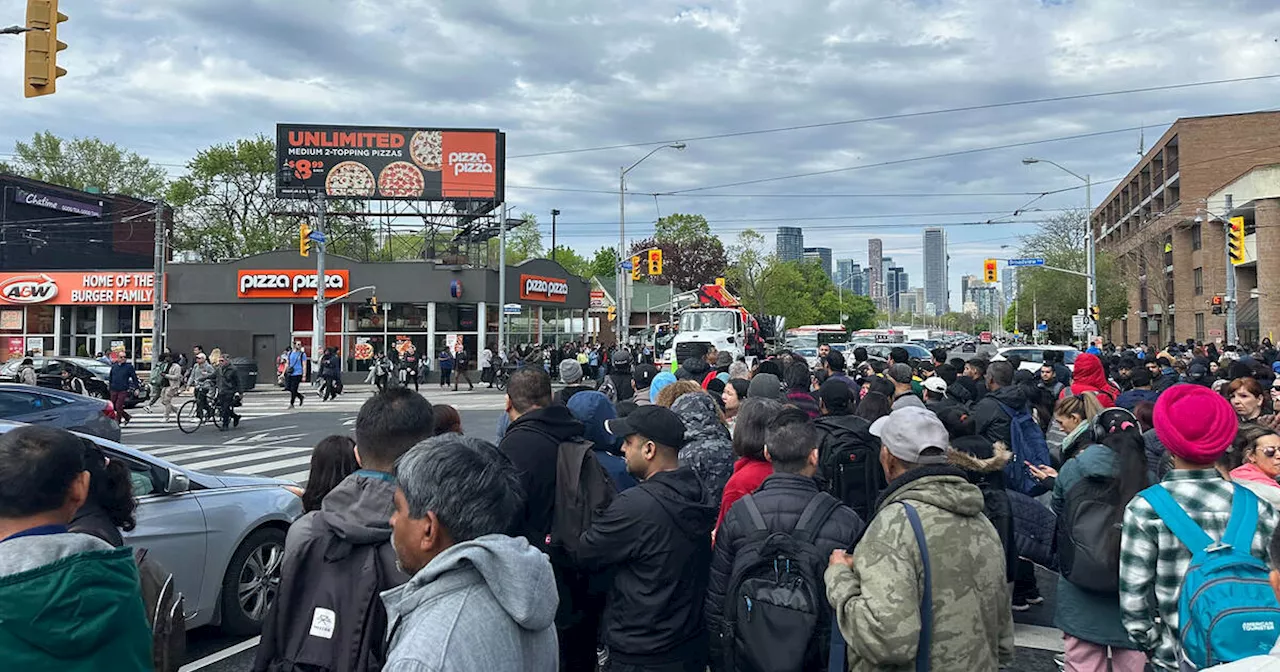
(708, 448)
(1034, 526)
(877, 601)
(781, 499)
(983, 464)
(991, 420)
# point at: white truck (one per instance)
(718, 322)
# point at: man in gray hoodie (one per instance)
(478, 600)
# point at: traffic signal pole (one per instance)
(1230, 298)
(318, 320)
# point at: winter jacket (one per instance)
(1131, 398)
(27, 375)
(532, 443)
(330, 366)
(656, 539)
(228, 379)
(1034, 528)
(564, 394)
(804, 401)
(748, 474)
(1089, 376)
(991, 421)
(1080, 438)
(123, 377)
(850, 432)
(945, 404)
(782, 498)
(593, 410)
(907, 399)
(877, 601)
(482, 605)
(1159, 462)
(983, 465)
(1088, 615)
(92, 519)
(1168, 378)
(708, 448)
(70, 602)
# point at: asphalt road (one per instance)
(276, 441)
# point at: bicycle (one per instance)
(501, 377)
(195, 412)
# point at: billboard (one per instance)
(389, 163)
(82, 288)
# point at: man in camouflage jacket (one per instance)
(876, 591)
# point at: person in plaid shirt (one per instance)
(1197, 426)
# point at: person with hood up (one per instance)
(878, 590)
(1090, 376)
(708, 449)
(68, 601)
(659, 381)
(355, 512)
(478, 600)
(593, 410)
(656, 540)
(572, 377)
(751, 468)
(617, 384)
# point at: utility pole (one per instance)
(318, 321)
(554, 213)
(502, 276)
(1232, 334)
(157, 289)
(1091, 258)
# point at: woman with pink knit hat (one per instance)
(1197, 427)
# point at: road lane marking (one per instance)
(219, 656)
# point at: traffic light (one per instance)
(42, 71)
(304, 242)
(655, 262)
(1216, 303)
(613, 313)
(373, 304)
(1235, 240)
(989, 271)
(635, 267)
(1094, 313)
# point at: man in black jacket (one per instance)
(782, 498)
(848, 456)
(656, 539)
(991, 421)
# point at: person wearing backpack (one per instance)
(927, 579)
(788, 517)
(1089, 498)
(339, 559)
(1271, 661)
(1172, 528)
(848, 456)
(655, 539)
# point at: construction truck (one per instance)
(716, 319)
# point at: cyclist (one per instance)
(203, 379)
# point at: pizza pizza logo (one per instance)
(401, 179)
(349, 178)
(470, 162)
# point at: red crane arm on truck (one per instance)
(716, 296)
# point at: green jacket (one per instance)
(80, 611)
(877, 601)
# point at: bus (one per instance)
(814, 335)
(879, 336)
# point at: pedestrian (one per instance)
(122, 378)
(1253, 461)
(751, 468)
(641, 378)
(873, 406)
(1271, 661)
(655, 540)
(27, 372)
(330, 374)
(659, 382)
(295, 365)
(1139, 390)
(71, 601)
(109, 505)
(983, 463)
(788, 502)
(228, 385)
(478, 600)
(1090, 376)
(707, 449)
(735, 392)
(1247, 398)
(339, 558)
(593, 410)
(847, 453)
(1196, 426)
(409, 365)
(448, 421)
(169, 374)
(332, 461)
(1089, 498)
(1074, 416)
(486, 365)
(445, 360)
(800, 388)
(460, 361)
(571, 375)
(617, 384)
(929, 568)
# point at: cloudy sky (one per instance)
(615, 79)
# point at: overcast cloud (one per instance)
(166, 78)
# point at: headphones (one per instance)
(1113, 420)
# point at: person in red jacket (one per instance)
(751, 467)
(1089, 376)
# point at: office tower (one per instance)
(822, 255)
(935, 268)
(875, 250)
(790, 242)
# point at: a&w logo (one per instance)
(29, 289)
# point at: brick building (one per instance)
(1172, 264)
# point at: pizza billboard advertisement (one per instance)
(390, 163)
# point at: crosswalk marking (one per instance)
(237, 460)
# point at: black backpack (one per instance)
(583, 488)
(1088, 548)
(850, 463)
(165, 613)
(776, 613)
(329, 618)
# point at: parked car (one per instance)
(95, 374)
(42, 406)
(882, 350)
(1033, 355)
(222, 535)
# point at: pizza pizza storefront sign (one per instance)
(389, 163)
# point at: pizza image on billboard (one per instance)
(387, 163)
(401, 180)
(349, 178)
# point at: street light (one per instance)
(624, 314)
(1091, 277)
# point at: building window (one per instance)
(1200, 327)
(1197, 276)
(1195, 237)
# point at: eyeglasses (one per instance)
(1269, 451)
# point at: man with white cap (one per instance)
(935, 396)
(928, 577)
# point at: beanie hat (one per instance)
(1195, 423)
(570, 371)
(765, 386)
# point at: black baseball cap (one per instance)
(643, 376)
(656, 423)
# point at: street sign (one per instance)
(1030, 261)
(626, 265)
(1043, 326)
(318, 237)
(511, 309)
(1079, 324)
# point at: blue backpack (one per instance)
(1226, 608)
(1028, 446)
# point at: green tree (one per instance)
(87, 163)
(748, 259)
(681, 229)
(523, 241)
(604, 263)
(572, 261)
(801, 292)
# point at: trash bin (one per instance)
(248, 370)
